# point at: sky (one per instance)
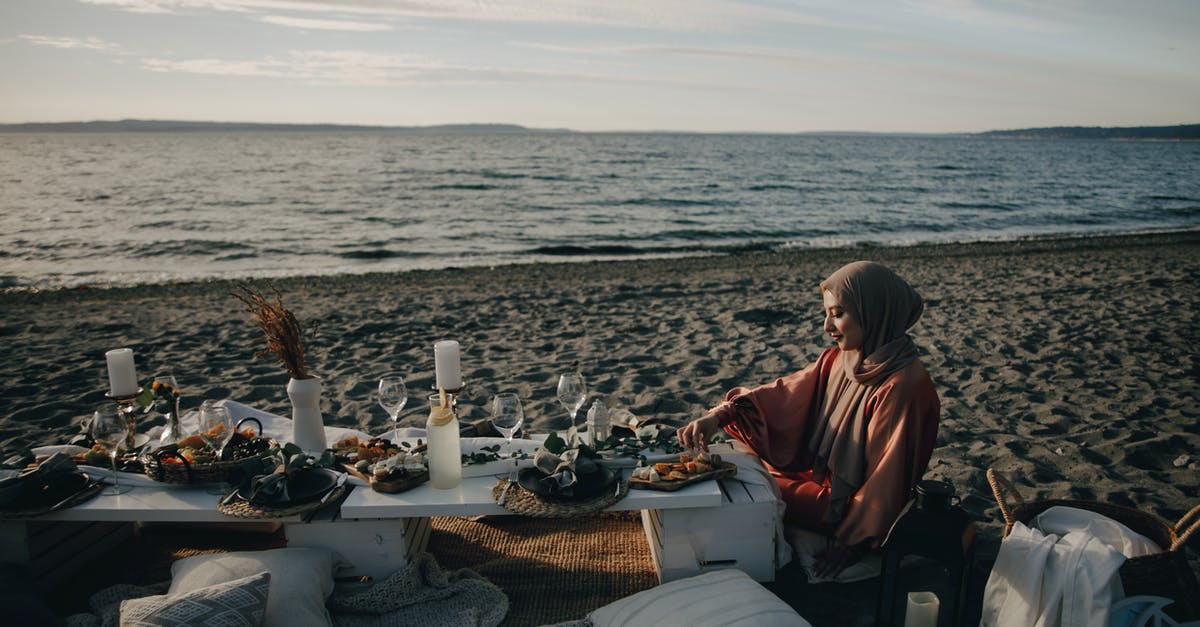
(916, 66)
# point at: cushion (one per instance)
(238, 603)
(721, 598)
(301, 580)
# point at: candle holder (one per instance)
(125, 406)
(452, 394)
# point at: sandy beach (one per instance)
(1069, 364)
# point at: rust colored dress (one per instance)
(891, 445)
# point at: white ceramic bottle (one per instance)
(444, 453)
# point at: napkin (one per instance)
(563, 471)
(273, 487)
(44, 476)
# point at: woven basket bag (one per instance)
(1166, 574)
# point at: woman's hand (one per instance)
(696, 434)
(837, 557)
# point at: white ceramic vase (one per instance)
(308, 429)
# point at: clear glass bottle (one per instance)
(444, 453)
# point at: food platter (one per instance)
(723, 470)
(399, 484)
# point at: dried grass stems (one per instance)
(283, 334)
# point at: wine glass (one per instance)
(216, 429)
(393, 396)
(108, 430)
(507, 416)
(572, 392)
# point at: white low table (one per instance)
(374, 531)
(395, 525)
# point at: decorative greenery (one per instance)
(655, 437)
(283, 334)
(490, 454)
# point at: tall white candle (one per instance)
(922, 610)
(122, 378)
(447, 365)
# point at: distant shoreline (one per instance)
(626, 267)
(1181, 132)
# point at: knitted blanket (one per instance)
(419, 594)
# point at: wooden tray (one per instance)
(722, 471)
(390, 487)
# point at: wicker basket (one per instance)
(182, 472)
(1165, 574)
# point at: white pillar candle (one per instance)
(922, 610)
(122, 378)
(447, 365)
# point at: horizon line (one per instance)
(514, 127)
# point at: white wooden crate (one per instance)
(738, 534)
(373, 547)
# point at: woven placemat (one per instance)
(245, 509)
(587, 561)
(526, 503)
(86, 494)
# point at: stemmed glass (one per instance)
(572, 392)
(108, 430)
(393, 396)
(216, 429)
(507, 416)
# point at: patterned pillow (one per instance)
(237, 603)
(301, 580)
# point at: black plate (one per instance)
(587, 486)
(57, 489)
(305, 486)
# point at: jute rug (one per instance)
(552, 570)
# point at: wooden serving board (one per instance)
(390, 487)
(722, 471)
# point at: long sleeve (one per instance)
(776, 419)
(901, 434)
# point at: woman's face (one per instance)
(844, 329)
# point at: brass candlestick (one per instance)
(125, 406)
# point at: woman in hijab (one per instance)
(848, 437)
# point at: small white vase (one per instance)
(308, 429)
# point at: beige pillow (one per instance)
(721, 598)
(301, 580)
(238, 603)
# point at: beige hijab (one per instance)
(886, 307)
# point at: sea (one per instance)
(110, 209)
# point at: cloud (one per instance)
(72, 43)
(745, 53)
(351, 67)
(675, 15)
(313, 24)
(970, 12)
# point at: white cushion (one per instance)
(238, 603)
(301, 580)
(722, 598)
